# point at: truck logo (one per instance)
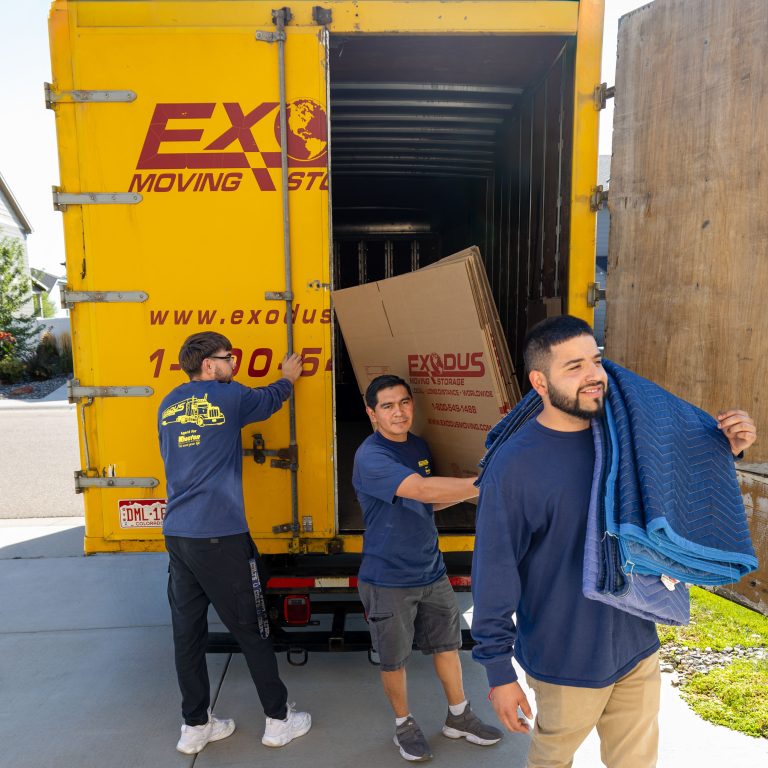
(451, 364)
(215, 155)
(193, 410)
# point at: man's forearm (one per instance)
(437, 490)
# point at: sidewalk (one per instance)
(86, 664)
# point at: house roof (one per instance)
(45, 279)
(13, 204)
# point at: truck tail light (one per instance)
(296, 610)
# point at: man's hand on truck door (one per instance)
(292, 366)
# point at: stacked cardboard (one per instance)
(438, 328)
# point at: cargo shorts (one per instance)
(398, 616)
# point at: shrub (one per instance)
(46, 361)
(7, 345)
(11, 370)
(65, 350)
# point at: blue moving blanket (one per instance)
(638, 594)
(666, 498)
(678, 506)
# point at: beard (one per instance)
(570, 405)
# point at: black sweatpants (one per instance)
(217, 571)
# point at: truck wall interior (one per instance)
(438, 143)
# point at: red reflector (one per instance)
(296, 609)
(460, 581)
(290, 583)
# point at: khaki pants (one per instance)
(625, 714)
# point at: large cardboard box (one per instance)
(437, 328)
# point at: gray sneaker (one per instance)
(469, 726)
(409, 738)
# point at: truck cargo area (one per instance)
(438, 143)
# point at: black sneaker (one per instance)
(409, 738)
(469, 726)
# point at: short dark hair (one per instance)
(386, 381)
(197, 347)
(537, 347)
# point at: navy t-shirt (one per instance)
(400, 542)
(529, 555)
(199, 425)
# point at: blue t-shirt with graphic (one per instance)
(199, 425)
(400, 542)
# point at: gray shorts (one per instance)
(398, 616)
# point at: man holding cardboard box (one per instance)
(402, 581)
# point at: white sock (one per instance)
(458, 709)
(400, 720)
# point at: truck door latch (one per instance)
(286, 458)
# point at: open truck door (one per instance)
(177, 144)
(688, 246)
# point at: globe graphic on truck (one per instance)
(307, 129)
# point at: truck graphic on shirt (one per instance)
(193, 410)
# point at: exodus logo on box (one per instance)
(439, 368)
(214, 156)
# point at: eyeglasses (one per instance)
(228, 357)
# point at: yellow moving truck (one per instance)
(223, 165)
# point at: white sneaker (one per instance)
(195, 737)
(279, 732)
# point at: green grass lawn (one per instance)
(736, 696)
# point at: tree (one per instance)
(49, 308)
(15, 291)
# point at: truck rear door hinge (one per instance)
(316, 285)
(63, 199)
(70, 298)
(598, 199)
(270, 37)
(602, 94)
(595, 294)
(79, 97)
(287, 458)
(278, 296)
(83, 481)
(75, 391)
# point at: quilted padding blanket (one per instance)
(678, 507)
(665, 498)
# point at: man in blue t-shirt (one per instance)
(402, 580)
(213, 559)
(588, 663)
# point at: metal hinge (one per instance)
(78, 97)
(62, 199)
(83, 481)
(598, 199)
(270, 37)
(595, 294)
(322, 16)
(278, 296)
(287, 458)
(70, 298)
(602, 94)
(75, 391)
(316, 285)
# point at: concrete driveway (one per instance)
(86, 672)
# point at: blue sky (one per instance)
(28, 159)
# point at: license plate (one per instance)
(141, 513)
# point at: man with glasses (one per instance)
(212, 556)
